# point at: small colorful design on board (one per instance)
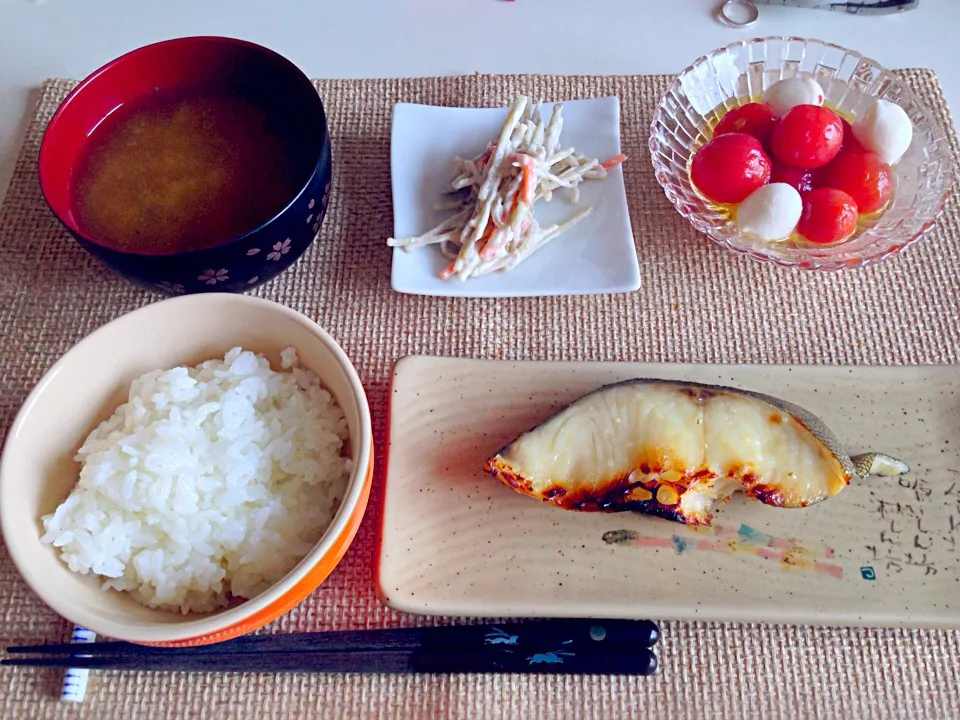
(679, 544)
(868, 573)
(789, 552)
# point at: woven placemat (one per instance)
(698, 303)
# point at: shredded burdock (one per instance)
(493, 227)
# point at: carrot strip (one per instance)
(484, 239)
(613, 161)
(485, 247)
(526, 182)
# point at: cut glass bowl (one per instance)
(738, 74)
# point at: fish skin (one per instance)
(811, 422)
(857, 467)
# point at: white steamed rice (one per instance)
(209, 483)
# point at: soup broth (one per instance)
(173, 172)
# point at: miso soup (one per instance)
(173, 172)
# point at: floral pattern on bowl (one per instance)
(248, 262)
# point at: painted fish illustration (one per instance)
(673, 449)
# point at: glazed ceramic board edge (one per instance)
(881, 553)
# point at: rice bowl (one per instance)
(38, 469)
(209, 484)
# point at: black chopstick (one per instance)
(617, 633)
(640, 661)
(552, 646)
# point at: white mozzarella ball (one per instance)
(884, 129)
(789, 92)
(771, 212)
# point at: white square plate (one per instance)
(598, 255)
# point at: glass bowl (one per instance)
(738, 74)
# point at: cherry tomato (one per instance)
(755, 119)
(799, 179)
(850, 142)
(808, 136)
(730, 167)
(828, 215)
(863, 176)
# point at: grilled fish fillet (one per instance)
(673, 449)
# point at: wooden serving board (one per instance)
(454, 541)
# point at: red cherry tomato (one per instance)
(730, 167)
(755, 119)
(807, 136)
(828, 215)
(850, 142)
(798, 178)
(863, 176)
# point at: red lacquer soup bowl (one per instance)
(293, 111)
